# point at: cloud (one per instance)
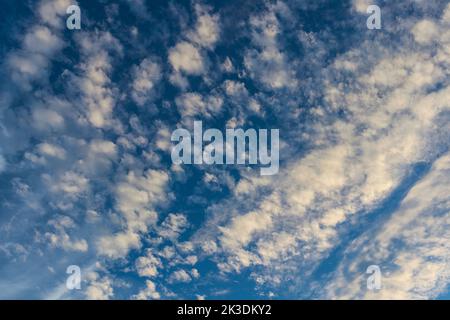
(98, 94)
(145, 78)
(147, 266)
(41, 40)
(425, 31)
(118, 245)
(61, 239)
(51, 150)
(358, 115)
(149, 293)
(39, 45)
(49, 117)
(354, 162)
(267, 63)
(411, 247)
(207, 31)
(192, 104)
(136, 197)
(361, 5)
(186, 57)
(51, 12)
(70, 183)
(173, 226)
(99, 288)
(180, 276)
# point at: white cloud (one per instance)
(186, 57)
(51, 150)
(103, 148)
(52, 12)
(61, 239)
(267, 63)
(145, 78)
(118, 245)
(99, 288)
(354, 162)
(136, 197)
(40, 43)
(425, 31)
(41, 40)
(412, 246)
(48, 115)
(361, 5)
(70, 183)
(98, 93)
(173, 226)
(191, 104)
(206, 31)
(149, 293)
(147, 266)
(180, 276)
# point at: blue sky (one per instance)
(86, 176)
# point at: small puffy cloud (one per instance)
(97, 91)
(136, 197)
(361, 5)
(48, 115)
(42, 40)
(61, 239)
(118, 245)
(103, 148)
(51, 150)
(187, 58)
(71, 183)
(148, 293)
(172, 226)
(99, 288)
(31, 63)
(206, 32)
(138, 194)
(163, 139)
(235, 88)
(195, 274)
(267, 63)
(145, 78)
(180, 276)
(425, 31)
(44, 119)
(227, 65)
(147, 266)
(39, 45)
(192, 104)
(52, 12)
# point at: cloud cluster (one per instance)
(85, 125)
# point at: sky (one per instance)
(87, 179)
